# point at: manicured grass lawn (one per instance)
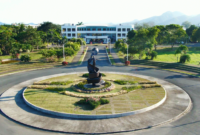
(166, 54)
(131, 101)
(110, 57)
(82, 56)
(37, 61)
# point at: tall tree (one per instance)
(190, 30)
(196, 35)
(174, 33)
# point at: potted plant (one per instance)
(127, 63)
(64, 63)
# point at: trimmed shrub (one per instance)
(153, 54)
(61, 83)
(185, 58)
(124, 82)
(64, 63)
(25, 58)
(93, 102)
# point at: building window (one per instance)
(99, 29)
(73, 35)
(84, 29)
(104, 29)
(93, 29)
(88, 34)
(73, 29)
(119, 29)
(110, 29)
(128, 29)
(68, 29)
(63, 35)
(64, 29)
(88, 29)
(123, 29)
(119, 35)
(123, 35)
(69, 35)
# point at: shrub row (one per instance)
(93, 102)
(46, 87)
(124, 82)
(68, 93)
(87, 75)
(150, 85)
(146, 82)
(53, 83)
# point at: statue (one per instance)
(94, 75)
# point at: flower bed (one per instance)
(127, 63)
(108, 86)
(64, 63)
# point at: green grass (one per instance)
(52, 100)
(167, 55)
(110, 57)
(127, 102)
(82, 56)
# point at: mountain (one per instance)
(169, 18)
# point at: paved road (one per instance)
(188, 125)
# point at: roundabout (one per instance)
(14, 107)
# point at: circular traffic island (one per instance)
(71, 96)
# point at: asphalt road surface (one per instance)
(187, 125)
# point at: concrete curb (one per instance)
(108, 57)
(79, 116)
(84, 56)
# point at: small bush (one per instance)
(64, 63)
(61, 83)
(124, 82)
(185, 58)
(25, 58)
(93, 102)
(153, 54)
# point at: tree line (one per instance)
(142, 40)
(20, 38)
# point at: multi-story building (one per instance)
(96, 33)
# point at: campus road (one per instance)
(187, 125)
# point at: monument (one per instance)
(94, 74)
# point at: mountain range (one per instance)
(169, 18)
(164, 19)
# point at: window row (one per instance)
(121, 35)
(69, 29)
(96, 29)
(123, 29)
(71, 35)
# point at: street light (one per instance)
(127, 48)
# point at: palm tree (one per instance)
(79, 23)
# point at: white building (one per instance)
(96, 33)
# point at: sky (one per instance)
(90, 11)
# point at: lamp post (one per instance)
(110, 45)
(127, 48)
